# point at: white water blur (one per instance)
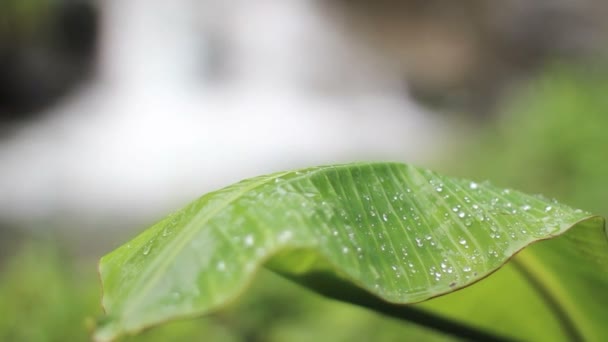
(155, 127)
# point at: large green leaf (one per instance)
(382, 232)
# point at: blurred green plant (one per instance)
(551, 139)
(46, 296)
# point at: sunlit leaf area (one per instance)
(163, 184)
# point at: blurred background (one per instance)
(115, 113)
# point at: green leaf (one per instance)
(382, 232)
(554, 290)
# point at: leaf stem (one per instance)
(335, 288)
(568, 325)
(432, 321)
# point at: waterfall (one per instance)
(193, 95)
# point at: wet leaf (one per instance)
(374, 230)
(554, 290)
